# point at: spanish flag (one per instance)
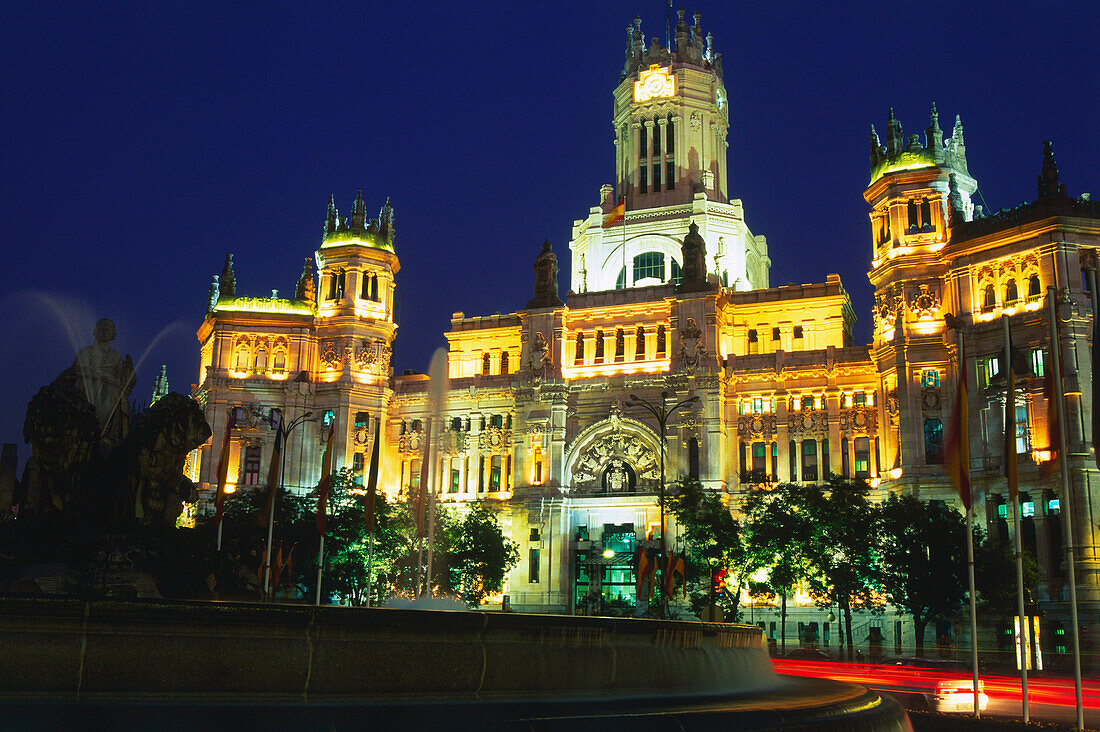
(324, 487)
(264, 516)
(616, 214)
(674, 566)
(223, 474)
(643, 570)
(1054, 432)
(372, 478)
(958, 436)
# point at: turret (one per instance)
(305, 291)
(1049, 185)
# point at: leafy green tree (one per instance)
(712, 539)
(842, 551)
(995, 575)
(478, 554)
(923, 548)
(778, 536)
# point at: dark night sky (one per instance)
(142, 142)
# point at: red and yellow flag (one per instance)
(643, 570)
(324, 487)
(1009, 450)
(223, 474)
(958, 436)
(616, 214)
(372, 477)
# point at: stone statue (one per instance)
(618, 481)
(147, 468)
(546, 280)
(106, 380)
(693, 273)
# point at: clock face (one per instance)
(655, 83)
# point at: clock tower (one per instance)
(670, 120)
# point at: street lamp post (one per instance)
(296, 422)
(661, 412)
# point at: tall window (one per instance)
(1038, 365)
(933, 441)
(759, 464)
(261, 360)
(485, 365)
(1022, 442)
(332, 286)
(620, 345)
(670, 137)
(693, 458)
(825, 469)
(809, 460)
(930, 377)
(656, 177)
(494, 473)
(504, 362)
(599, 347)
(341, 281)
(639, 344)
(670, 175)
(989, 300)
(643, 177)
(844, 457)
(456, 475)
(533, 567)
(649, 264)
(1033, 288)
(926, 215)
(481, 474)
(578, 357)
(656, 138)
(1011, 294)
(988, 367)
(251, 473)
(643, 138)
(792, 460)
(242, 360)
(863, 457)
(660, 341)
(365, 290)
(677, 276)
(279, 364)
(754, 341)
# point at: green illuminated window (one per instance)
(677, 278)
(1038, 365)
(933, 441)
(930, 377)
(649, 264)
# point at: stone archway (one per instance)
(602, 453)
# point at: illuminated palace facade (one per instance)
(672, 300)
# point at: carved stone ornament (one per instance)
(373, 357)
(893, 407)
(858, 420)
(361, 436)
(600, 453)
(886, 308)
(409, 443)
(930, 399)
(692, 345)
(454, 442)
(494, 438)
(696, 121)
(756, 426)
(810, 422)
(924, 303)
(541, 360)
(330, 355)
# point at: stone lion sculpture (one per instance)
(64, 435)
(147, 468)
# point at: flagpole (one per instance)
(220, 535)
(431, 528)
(964, 469)
(370, 563)
(271, 516)
(1064, 508)
(1024, 653)
(320, 566)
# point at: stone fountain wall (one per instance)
(115, 651)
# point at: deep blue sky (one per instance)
(140, 142)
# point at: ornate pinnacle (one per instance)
(894, 139)
(227, 283)
(332, 221)
(304, 291)
(876, 147)
(212, 294)
(934, 135)
(955, 212)
(1048, 178)
(358, 212)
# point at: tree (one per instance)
(842, 549)
(712, 538)
(923, 548)
(995, 575)
(478, 555)
(778, 532)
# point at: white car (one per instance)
(958, 696)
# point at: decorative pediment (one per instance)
(603, 453)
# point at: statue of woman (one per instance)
(106, 380)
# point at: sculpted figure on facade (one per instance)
(692, 345)
(693, 272)
(546, 279)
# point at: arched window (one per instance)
(639, 344)
(660, 341)
(578, 357)
(242, 360)
(364, 291)
(279, 363)
(1011, 294)
(649, 265)
(809, 460)
(504, 362)
(676, 276)
(925, 215)
(374, 289)
(341, 281)
(670, 145)
(599, 347)
(485, 365)
(989, 300)
(1034, 289)
(332, 278)
(620, 345)
(913, 216)
(656, 143)
(643, 138)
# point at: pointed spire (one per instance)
(894, 139)
(683, 34)
(332, 220)
(933, 136)
(227, 283)
(359, 212)
(876, 147)
(955, 153)
(708, 54)
(212, 294)
(1049, 184)
(160, 385)
(304, 291)
(386, 222)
